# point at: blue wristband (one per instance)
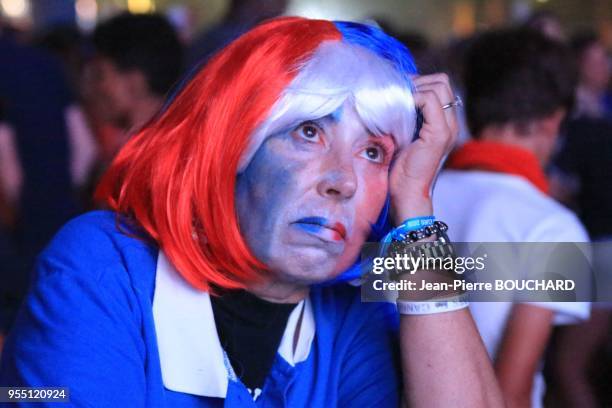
(411, 224)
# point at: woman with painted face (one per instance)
(261, 179)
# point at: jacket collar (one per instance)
(191, 357)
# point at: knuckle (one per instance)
(428, 95)
(439, 77)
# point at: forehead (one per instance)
(346, 120)
(338, 75)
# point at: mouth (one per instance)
(322, 227)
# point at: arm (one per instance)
(443, 358)
(573, 356)
(11, 175)
(83, 149)
(522, 347)
(445, 362)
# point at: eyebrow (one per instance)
(324, 121)
(335, 117)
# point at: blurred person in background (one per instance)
(548, 23)
(584, 162)
(11, 178)
(581, 177)
(592, 95)
(519, 86)
(70, 48)
(40, 123)
(138, 58)
(11, 174)
(242, 15)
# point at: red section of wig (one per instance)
(177, 175)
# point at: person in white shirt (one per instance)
(518, 90)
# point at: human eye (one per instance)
(376, 153)
(309, 131)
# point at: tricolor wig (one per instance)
(176, 177)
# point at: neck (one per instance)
(279, 292)
(499, 157)
(507, 135)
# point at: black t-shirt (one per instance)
(250, 330)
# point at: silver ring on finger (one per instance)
(456, 103)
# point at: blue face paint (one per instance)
(336, 115)
(308, 199)
(260, 192)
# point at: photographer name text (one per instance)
(462, 285)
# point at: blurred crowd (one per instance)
(69, 101)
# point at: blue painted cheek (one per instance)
(263, 196)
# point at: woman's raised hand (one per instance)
(416, 167)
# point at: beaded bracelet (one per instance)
(413, 236)
(411, 231)
(411, 224)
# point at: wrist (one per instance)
(430, 308)
(412, 209)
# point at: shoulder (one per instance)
(96, 245)
(482, 191)
(90, 274)
(489, 187)
(88, 313)
(556, 223)
(519, 211)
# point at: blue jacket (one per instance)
(87, 324)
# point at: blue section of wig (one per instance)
(383, 45)
(380, 43)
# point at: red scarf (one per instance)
(499, 157)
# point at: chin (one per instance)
(306, 266)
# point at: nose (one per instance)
(338, 181)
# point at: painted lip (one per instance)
(337, 227)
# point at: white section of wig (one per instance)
(337, 73)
